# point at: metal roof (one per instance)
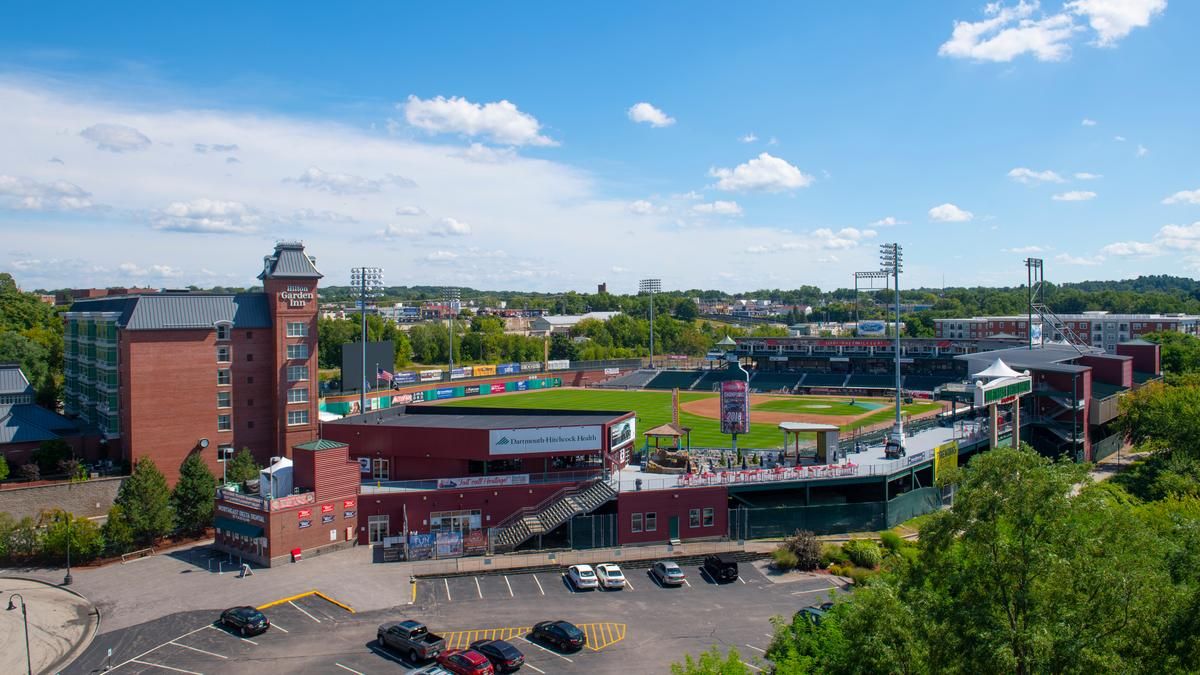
(29, 423)
(166, 311)
(1047, 358)
(478, 418)
(13, 381)
(320, 444)
(289, 262)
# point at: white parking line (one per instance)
(530, 665)
(741, 579)
(689, 585)
(278, 627)
(477, 588)
(656, 581)
(629, 584)
(756, 668)
(815, 590)
(304, 612)
(180, 644)
(535, 580)
(347, 668)
(545, 650)
(447, 582)
(769, 635)
(232, 635)
(510, 593)
(762, 651)
(190, 632)
(159, 665)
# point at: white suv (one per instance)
(610, 576)
(582, 576)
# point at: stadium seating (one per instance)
(872, 382)
(637, 379)
(774, 381)
(824, 379)
(670, 379)
(714, 377)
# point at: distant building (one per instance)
(1097, 329)
(67, 297)
(563, 323)
(25, 425)
(601, 288)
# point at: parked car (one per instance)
(582, 576)
(433, 669)
(465, 662)
(412, 639)
(562, 634)
(505, 657)
(610, 576)
(811, 614)
(245, 620)
(721, 568)
(668, 573)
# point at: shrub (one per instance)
(832, 554)
(86, 542)
(807, 549)
(50, 453)
(859, 575)
(863, 553)
(29, 472)
(783, 559)
(3, 468)
(890, 540)
(118, 535)
(836, 570)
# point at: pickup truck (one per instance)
(412, 639)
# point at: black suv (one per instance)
(721, 567)
(245, 620)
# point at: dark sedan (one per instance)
(245, 620)
(561, 634)
(505, 657)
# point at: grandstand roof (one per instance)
(1047, 358)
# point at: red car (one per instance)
(465, 662)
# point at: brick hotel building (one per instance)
(163, 375)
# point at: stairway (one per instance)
(550, 514)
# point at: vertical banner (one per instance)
(735, 407)
(449, 544)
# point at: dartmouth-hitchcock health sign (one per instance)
(543, 439)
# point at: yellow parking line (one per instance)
(287, 599)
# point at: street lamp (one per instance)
(891, 262)
(651, 286)
(369, 281)
(67, 579)
(25, 618)
(451, 297)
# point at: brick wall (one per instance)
(87, 499)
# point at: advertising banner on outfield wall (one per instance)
(544, 439)
(431, 375)
(508, 369)
(735, 407)
(558, 364)
(405, 377)
(483, 371)
(497, 387)
(531, 367)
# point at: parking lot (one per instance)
(642, 628)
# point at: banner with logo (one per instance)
(483, 371)
(735, 407)
(471, 390)
(431, 375)
(508, 368)
(475, 543)
(544, 439)
(871, 328)
(420, 546)
(482, 481)
(621, 433)
(449, 544)
(558, 364)
(406, 377)
(612, 371)
(497, 387)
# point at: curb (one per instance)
(69, 657)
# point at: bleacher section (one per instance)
(824, 379)
(714, 377)
(872, 382)
(774, 381)
(670, 379)
(927, 382)
(638, 379)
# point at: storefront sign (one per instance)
(296, 296)
(327, 508)
(238, 514)
(325, 520)
(305, 523)
(620, 434)
(292, 500)
(482, 481)
(735, 407)
(347, 503)
(543, 439)
(304, 513)
(239, 499)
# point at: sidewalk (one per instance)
(61, 626)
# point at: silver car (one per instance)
(668, 573)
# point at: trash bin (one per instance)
(296, 555)
(637, 484)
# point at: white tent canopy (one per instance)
(998, 369)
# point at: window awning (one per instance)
(237, 527)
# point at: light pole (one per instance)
(651, 286)
(25, 618)
(891, 258)
(369, 281)
(67, 579)
(451, 296)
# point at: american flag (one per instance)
(381, 374)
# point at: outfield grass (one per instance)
(885, 414)
(804, 406)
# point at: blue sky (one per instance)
(557, 146)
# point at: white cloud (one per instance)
(719, 208)
(1024, 250)
(888, 221)
(501, 121)
(1068, 259)
(203, 148)
(393, 232)
(208, 216)
(1083, 175)
(449, 227)
(322, 216)
(617, 269)
(410, 211)
(642, 207)
(1181, 197)
(1088, 123)
(757, 249)
(645, 113)
(1130, 249)
(1119, 139)
(1074, 196)
(748, 138)
(116, 137)
(1180, 237)
(949, 213)
(845, 238)
(764, 173)
(29, 194)
(441, 257)
(1142, 150)
(478, 152)
(153, 271)
(1114, 19)
(1031, 177)
(347, 184)
(1009, 32)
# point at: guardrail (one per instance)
(547, 478)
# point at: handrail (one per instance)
(545, 503)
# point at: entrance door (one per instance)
(377, 529)
(673, 527)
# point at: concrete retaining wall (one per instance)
(86, 499)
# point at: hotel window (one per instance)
(694, 518)
(224, 423)
(708, 517)
(298, 395)
(223, 399)
(297, 417)
(297, 373)
(222, 354)
(651, 521)
(223, 376)
(636, 525)
(297, 351)
(223, 332)
(297, 329)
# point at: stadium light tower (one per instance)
(651, 286)
(891, 261)
(369, 282)
(451, 296)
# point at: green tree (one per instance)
(86, 540)
(3, 468)
(50, 454)
(242, 468)
(193, 496)
(712, 662)
(117, 532)
(1165, 414)
(145, 502)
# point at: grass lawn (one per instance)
(819, 406)
(885, 414)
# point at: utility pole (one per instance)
(369, 281)
(651, 286)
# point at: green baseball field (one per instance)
(698, 411)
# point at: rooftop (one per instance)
(289, 262)
(440, 417)
(1048, 358)
(13, 381)
(167, 311)
(320, 444)
(29, 423)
